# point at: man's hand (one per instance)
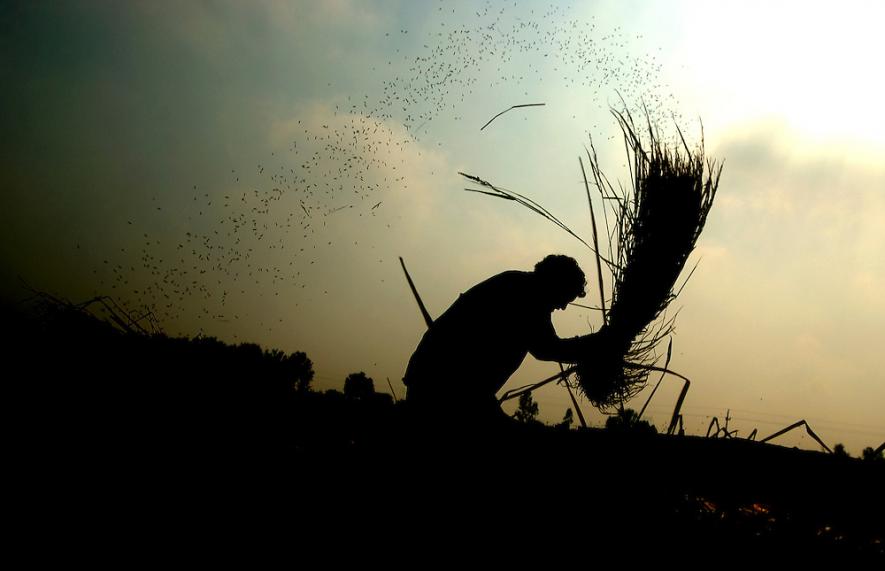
(607, 342)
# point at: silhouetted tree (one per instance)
(299, 371)
(567, 420)
(627, 419)
(839, 450)
(528, 409)
(358, 386)
(290, 372)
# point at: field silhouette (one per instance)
(200, 423)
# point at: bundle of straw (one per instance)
(657, 223)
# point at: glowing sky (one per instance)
(143, 143)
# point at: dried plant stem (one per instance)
(510, 109)
(595, 244)
(794, 426)
(427, 319)
(571, 395)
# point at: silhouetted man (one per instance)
(471, 350)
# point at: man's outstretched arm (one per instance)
(547, 346)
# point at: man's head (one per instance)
(561, 280)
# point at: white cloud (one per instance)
(792, 309)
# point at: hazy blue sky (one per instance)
(264, 164)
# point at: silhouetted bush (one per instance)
(83, 379)
(871, 455)
(627, 419)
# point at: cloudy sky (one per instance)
(253, 171)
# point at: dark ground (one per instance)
(144, 433)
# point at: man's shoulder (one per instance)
(507, 281)
(515, 277)
(505, 287)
